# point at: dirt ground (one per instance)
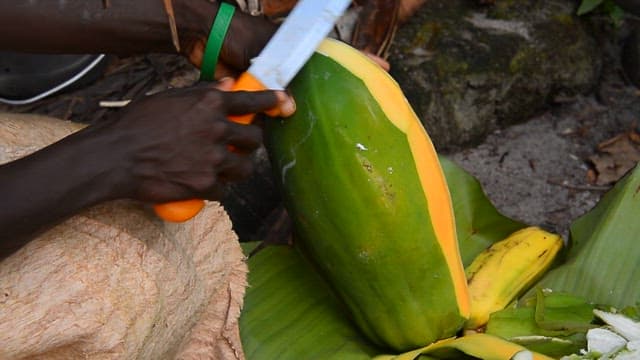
(538, 172)
(542, 171)
(553, 168)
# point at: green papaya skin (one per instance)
(350, 183)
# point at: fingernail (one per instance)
(287, 104)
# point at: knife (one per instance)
(284, 55)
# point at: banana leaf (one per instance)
(290, 311)
(553, 323)
(478, 222)
(603, 263)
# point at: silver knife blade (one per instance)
(295, 41)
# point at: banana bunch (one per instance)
(506, 269)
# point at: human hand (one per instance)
(176, 145)
(246, 36)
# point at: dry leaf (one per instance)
(616, 157)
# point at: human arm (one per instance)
(166, 147)
(128, 27)
(162, 158)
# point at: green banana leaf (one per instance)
(478, 223)
(553, 323)
(588, 5)
(290, 311)
(602, 264)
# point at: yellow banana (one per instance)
(507, 268)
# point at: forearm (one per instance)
(88, 26)
(54, 183)
(128, 27)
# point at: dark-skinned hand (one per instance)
(130, 27)
(169, 146)
(178, 142)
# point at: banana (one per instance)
(507, 268)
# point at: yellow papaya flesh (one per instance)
(370, 205)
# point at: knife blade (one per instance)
(297, 38)
(284, 55)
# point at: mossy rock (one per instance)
(469, 69)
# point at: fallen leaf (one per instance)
(615, 158)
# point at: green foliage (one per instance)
(478, 222)
(632, 312)
(290, 312)
(607, 7)
(602, 262)
(588, 5)
(550, 323)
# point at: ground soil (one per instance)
(550, 169)
(540, 171)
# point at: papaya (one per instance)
(368, 200)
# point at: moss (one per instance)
(522, 59)
(501, 11)
(448, 65)
(566, 19)
(426, 35)
(495, 57)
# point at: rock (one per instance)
(632, 6)
(468, 69)
(631, 57)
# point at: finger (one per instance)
(384, 64)
(244, 138)
(236, 167)
(249, 102)
(286, 106)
